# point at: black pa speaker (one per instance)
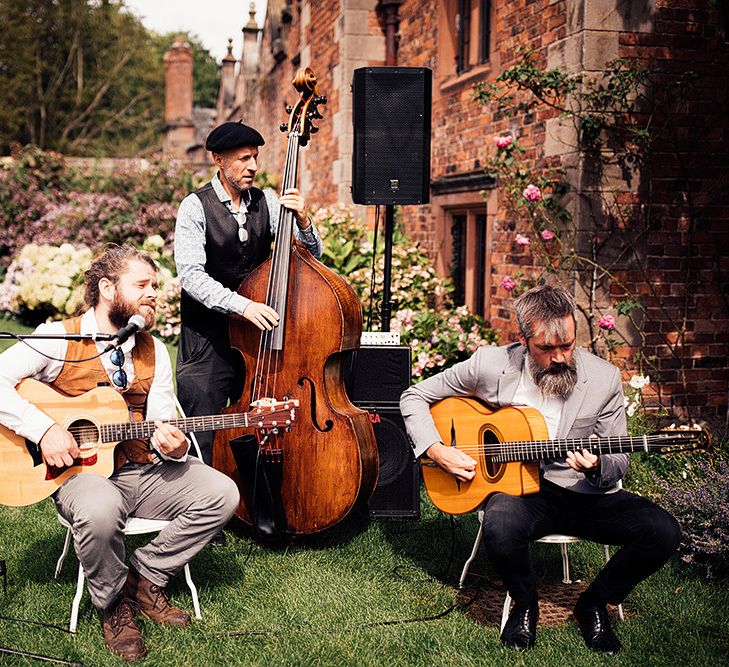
(375, 378)
(391, 114)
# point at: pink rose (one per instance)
(507, 283)
(547, 234)
(521, 240)
(503, 141)
(607, 322)
(532, 193)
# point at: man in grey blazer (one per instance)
(579, 395)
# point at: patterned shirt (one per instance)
(190, 247)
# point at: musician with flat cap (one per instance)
(579, 395)
(224, 230)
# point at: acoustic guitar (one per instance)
(508, 443)
(99, 420)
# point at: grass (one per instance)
(365, 593)
(344, 598)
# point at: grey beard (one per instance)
(556, 380)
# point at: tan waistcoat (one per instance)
(77, 377)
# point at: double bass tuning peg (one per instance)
(283, 127)
(320, 99)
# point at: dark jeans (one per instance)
(209, 373)
(648, 534)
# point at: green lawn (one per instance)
(332, 600)
(364, 593)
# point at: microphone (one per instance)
(136, 323)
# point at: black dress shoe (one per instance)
(596, 629)
(520, 630)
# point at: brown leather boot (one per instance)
(121, 633)
(153, 601)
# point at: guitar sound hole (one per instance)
(85, 432)
(492, 468)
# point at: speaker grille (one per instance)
(391, 158)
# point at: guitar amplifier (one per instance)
(376, 377)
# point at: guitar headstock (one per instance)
(675, 439)
(269, 414)
(306, 110)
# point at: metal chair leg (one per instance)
(64, 553)
(77, 599)
(565, 564)
(193, 591)
(474, 551)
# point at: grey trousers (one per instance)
(197, 499)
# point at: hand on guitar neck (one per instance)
(453, 461)
(169, 440)
(583, 461)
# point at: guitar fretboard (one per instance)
(506, 452)
(140, 430)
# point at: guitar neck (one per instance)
(554, 449)
(141, 430)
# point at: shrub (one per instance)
(438, 334)
(45, 282)
(701, 506)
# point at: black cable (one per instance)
(48, 356)
(376, 624)
(38, 656)
(32, 622)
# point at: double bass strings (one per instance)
(277, 285)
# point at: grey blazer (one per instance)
(492, 374)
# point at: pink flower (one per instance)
(507, 283)
(532, 193)
(607, 322)
(547, 234)
(503, 141)
(521, 240)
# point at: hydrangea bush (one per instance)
(423, 312)
(44, 282)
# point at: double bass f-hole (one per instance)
(328, 424)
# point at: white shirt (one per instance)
(20, 361)
(527, 393)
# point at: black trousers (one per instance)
(209, 375)
(648, 534)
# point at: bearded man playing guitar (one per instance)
(580, 396)
(154, 479)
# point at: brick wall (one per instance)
(681, 265)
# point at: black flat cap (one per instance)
(232, 135)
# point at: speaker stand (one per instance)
(386, 307)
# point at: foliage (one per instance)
(701, 506)
(42, 201)
(423, 313)
(440, 338)
(45, 282)
(78, 76)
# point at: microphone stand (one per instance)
(95, 337)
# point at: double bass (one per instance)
(309, 478)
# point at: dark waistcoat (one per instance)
(227, 259)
